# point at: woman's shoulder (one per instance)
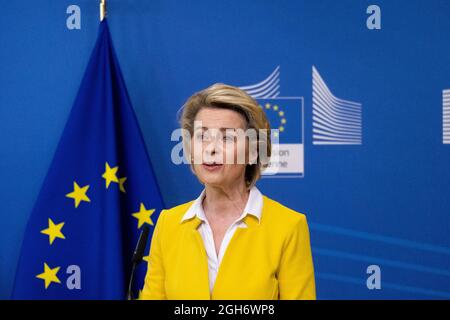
(277, 213)
(177, 212)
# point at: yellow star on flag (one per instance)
(110, 175)
(143, 215)
(53, 231)
(49, 275)
(121, 182)
(78, 194)
(146, 258)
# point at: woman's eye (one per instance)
(199, 136)
(204, 137)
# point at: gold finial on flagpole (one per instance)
(102, 9)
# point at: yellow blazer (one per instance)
(270, 259)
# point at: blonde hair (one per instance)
(225, 96)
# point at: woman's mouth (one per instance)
(212, 166)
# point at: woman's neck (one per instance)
(225, 202)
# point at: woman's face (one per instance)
(216, 143)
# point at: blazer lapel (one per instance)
(196, 277)
(241, 235)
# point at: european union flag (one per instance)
(99, 191)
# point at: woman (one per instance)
(231, 242)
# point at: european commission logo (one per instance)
(335, 121)
(286, 116)
(446, 116)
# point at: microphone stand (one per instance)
(137, 258)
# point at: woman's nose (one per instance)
(212, 151)
(214, 146)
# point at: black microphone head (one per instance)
(140, 247)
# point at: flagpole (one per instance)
(102, 9)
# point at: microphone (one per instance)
(137, 258)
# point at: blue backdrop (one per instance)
(383, 199)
